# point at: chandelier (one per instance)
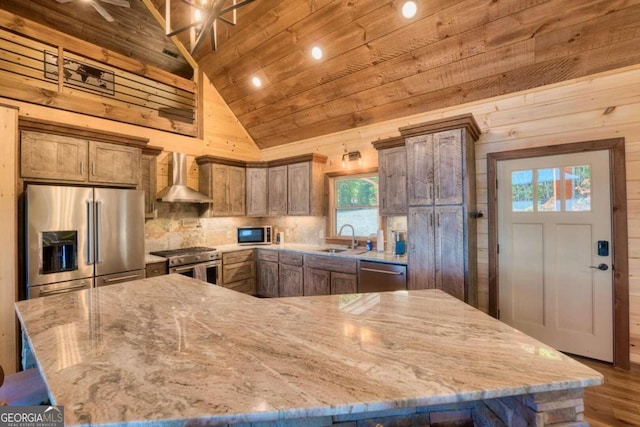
(206, 14)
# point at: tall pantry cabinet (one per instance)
(441, 197)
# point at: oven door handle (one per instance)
(181, 269)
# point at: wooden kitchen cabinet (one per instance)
(66, 158)
(392, 172)
(296, 186)
(343, 283)
(316, 282)
(268, 280)
(148, 182)
(57, 157)
(224, 181)
(435, 173)
(442, 256)
(298, 189)
(113, 164)
(324, 275)
(305, 187)
(154, 269)
(291, 280)
(278, 191)
(239, 271)
(291, 274)
(441, 194)
(257, 191)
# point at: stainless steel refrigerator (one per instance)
(81, 237)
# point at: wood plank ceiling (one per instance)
(378, 65)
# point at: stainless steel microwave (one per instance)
(260, 235)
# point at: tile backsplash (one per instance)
(178, 225)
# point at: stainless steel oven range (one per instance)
(198, 262)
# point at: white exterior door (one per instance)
(554, 231)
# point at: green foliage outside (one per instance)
(357, 192)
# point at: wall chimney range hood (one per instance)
(178, 192)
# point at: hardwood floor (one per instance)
(617, 401)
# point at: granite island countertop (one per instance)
(170, 350)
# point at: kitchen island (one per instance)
(177, 351)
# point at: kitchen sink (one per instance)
(332, 250)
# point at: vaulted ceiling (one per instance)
(377, 65)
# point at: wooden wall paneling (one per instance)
(228, 135)
(8, 237)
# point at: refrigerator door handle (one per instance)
(98, 231)
(90, 241)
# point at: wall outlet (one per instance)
(321, 234)
(286, 232)
(229, 234)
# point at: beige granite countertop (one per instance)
(358, 253)
(180, 350)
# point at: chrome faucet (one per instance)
(353, 235)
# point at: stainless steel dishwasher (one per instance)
(381, 277)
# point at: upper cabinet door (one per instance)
(257, 192)
(113, 164)
(299, 191)
(55, 157)
(392, 170)
(219, 190)
(447, 160)
(420, 170)
(236, 191)
(278, 191)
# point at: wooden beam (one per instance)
(181, 47)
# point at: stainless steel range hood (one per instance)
(178, 192)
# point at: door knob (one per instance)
(603, 267)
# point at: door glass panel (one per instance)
(549, 194)
(522, 191)
(578, 188)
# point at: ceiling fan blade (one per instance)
(102, 11)
(121, 3)
(64, 1)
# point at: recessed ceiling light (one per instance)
(256, 81)
(409, 9)
(316, 52)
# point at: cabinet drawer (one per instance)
(239, 256)
(265, 255)
(331, 263)
(156, 269)
(246, 286)
(238, 271)
(290, 259)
